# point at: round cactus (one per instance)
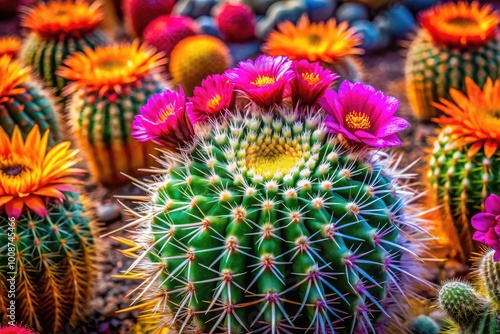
(58, 29)
(269, 219)
(166, 31)
(331, 44)
(424, 325)
(48, 254)
(23, 103)
(139, 13)
(236, 22)
(456, 41)
(110, 84)
(9, 45)
(196, 57)
(464, 164)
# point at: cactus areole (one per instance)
(277, 218)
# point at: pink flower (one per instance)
(487, 225)
(215, 95)
(264, 81)
(363, 115)
(310, 82)
(163, 120)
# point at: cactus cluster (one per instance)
(268, 222)
(475, 309)
(57, 30)
(436, 63)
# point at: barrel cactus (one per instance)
(457, 40)
(274, 216)
(48, 256)
(333, 45)
(197, 57)
(108, 86)
(464, 164)
(57, 29)
(24, 103)
(475, 309)
(9, 45)
(235, 21)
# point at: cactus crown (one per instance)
(460, 24)
(60, 18)
(108, 68)
(13, 75)
(9, 45)
(313, 41)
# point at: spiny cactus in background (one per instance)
(139, 13)
(235, 21)
(424, 325)
(9, 45)
(456, 41)
(110, 84)
(464, 164)
(57, 29)
(166, 31)
(276, 217)
(333, 45)
(46, 227)
(15, 330)
(197, 57)
(24, 103)
(475, 309)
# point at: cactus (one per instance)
(9, 45)
(475, 309)
(48, 254)
(424, 325)
(464, 165)
(139, 13)
(110, 84)
(270, 222)
(236, 22)
(197, 57)
(334, 46)
(456, 41)
(58, 29)
(24, 103)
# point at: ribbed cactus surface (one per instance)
(54, 264)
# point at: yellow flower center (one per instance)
(272, 157)
(314, 39)
(311, 78)
(214, 102)
(463, 22)
(164, 113)
(110, 64)
(263, 80)
(357, 120)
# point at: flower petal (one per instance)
(36, 205)
(492, 204)
(483, 221)
(395, 124)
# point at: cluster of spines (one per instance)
(460, 184)
(55, 259)
(102, 124)
(208, 215)
(432, 70)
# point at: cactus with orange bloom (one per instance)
(333, 44)
(9, 45)
(24, 103)
(464, 164)
(46, 227)
(57, 29)
(110, 84)
(457, 40)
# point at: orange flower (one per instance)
(313, 41)
(474, 118)
(29, 174)
(59, 18)
(460, 24)
(110, 67)
(12, 75)
(9, 45)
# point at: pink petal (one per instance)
(483, 221)
(496, 256)
(491, 239)
(479, 236)
(394, 125)
(492, 204)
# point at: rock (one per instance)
(374, 4)
(351, 12)
(320, 10)
(243, 51)
(259, 7)
(280, 11)
(371, 35)
(208, 26)
(108, 211)
(382, 23)
(195, 8)
(402, 21)
(418, 5)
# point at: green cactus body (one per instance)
(269, 224)
(47, 55)
(54, 265)
(33, 106)
(461, 184)
(431, 70)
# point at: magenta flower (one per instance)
(310, 82)
(163, 120)
(215, 95)
(487, 225)
(264, 81)
(363, 115)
